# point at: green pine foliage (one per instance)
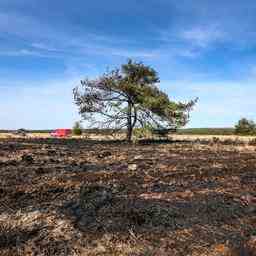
(129, 98)
(77, 128)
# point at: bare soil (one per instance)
(179, 198)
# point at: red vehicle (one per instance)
(61, 133)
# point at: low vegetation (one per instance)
(77, 128)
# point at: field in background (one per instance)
(186, 131)
(181, 135)
(207, 131)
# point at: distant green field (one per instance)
(186, 131)
(207, 131)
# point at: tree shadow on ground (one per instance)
(209, 219)
(83, 141)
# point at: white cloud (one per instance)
(190, 43)
(45, 105)
(203, 36)
(43, 46)
(25, 27)
(23, 52)
(121, 52)
(220, 104)
(45, 40)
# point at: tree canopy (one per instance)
(129, 97)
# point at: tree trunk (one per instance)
(129, 122)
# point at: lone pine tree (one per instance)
(129, 97)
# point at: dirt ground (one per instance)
(177, 198)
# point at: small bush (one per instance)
(77, 129)
(245, 127)
(141, 133)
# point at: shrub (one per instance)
(245, 127)
(140, 133)
(77, 128)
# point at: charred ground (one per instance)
(179, 198)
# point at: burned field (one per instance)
(76, 197)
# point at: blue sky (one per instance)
(202, 48)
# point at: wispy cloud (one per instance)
(47, 41)
(221, 103)
(192, 42)
(203, 36)
(44, 46)
(42, 105)
(25, 27)
(115, 51)
(22, 53)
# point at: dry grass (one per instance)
(177, 137)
